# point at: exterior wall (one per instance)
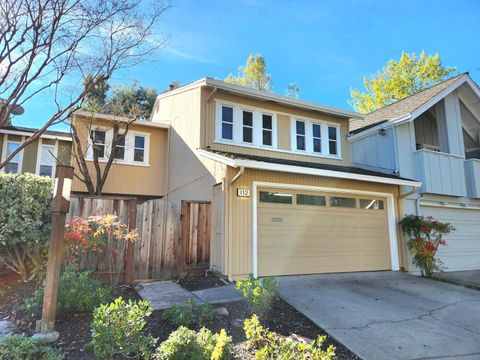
(238, 231)
(284, 114)
(375, 152)
(30, 158)
(129, 179)
(190, 177)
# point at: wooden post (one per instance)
(59, 208)
(132, 224)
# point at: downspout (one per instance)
(395, 149)
(417, 204)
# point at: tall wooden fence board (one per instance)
(195, 235)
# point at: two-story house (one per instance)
(286, 198)
(433, 137)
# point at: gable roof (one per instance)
(263, 96)
(304, 167)
(405, 106)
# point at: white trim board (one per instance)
(392, 230)
(252, 164)
(43, 136)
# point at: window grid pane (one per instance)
(247, 127)
(332, 140)
(11, 147)
(300, 127)
(227, 123)
(46, 156)
(46, 170)
(267, 121)
(346, 202)
(371, 204)
(11, 168)
(317, 140)
(275, 197)
(316, 200)
(267, 137)
(99, 143)
(139, 150)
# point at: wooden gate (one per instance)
(155, 253)
(195, 244)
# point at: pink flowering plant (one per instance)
(425, 236)
(101, 237)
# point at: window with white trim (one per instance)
(300, 131)
(13, 165)
(245, 125)
(139, 149)
(47, 161)
(247, 130)
(99, 141)
(120, 147)
(315, 137)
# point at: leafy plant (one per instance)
(20, 347)
(25, 219)
(188, 314)
(99, 236)
(77, 291)
(117, 330)
(271, 346)
(258, 292)
(186, 344)
(425, 236)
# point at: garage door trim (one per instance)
(392, 231)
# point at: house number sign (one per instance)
(243, 192)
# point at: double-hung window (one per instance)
(227, 123)
(139, 149)
(300, 130)
(317, 138)
(47, 160)
(247, 130)
(332, 140)
(120, 147)
(14, 164)
(267, 129)
(99, 142)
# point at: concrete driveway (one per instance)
(390, 315)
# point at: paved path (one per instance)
(468, 277)
(164, 294)
(390, 315)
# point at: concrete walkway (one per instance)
(164, 294)
(390, 315)
(465, 278)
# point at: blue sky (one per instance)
(325, 47)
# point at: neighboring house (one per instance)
(433, 137)
(285, 196)
(39, 156)
(140, 167)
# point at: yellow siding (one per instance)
(125, 179)
(239, 216)
(284, 114)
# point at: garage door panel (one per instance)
(463, 245)
(296, 239)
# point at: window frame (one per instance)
(297, 135)
(309, 138)
(6, 141)
(248, 127)
(39, 157)
(257, 126)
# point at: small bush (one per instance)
(78, 291)
(117, 330)
(258, 293)
(188, 314)
(20, 347)
(185, 344)
(271, 346)
(25, 219)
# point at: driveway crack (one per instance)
(419, 317)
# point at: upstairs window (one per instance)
(332, 140)
(300, 129)
(227, 123)
(120, 147)
(267, 129)
(47, 161)
(139, 149)
(99, 143)
(14, 165)
(247, 127)
(317, 138)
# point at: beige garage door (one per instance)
(303, 232)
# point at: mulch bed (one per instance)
(74, 328)
(194, 282)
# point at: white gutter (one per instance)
(384, 125)
(43, 136)
(261, 165)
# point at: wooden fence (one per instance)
(169, 245)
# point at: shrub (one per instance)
(188, 314)
(271, 346)
(77, 291)
(425, 235)
(100, 237)
(20, 347)
(186, 344)
(25, 219)
(117, 330)
(258, 293)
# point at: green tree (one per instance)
(292, 90)
(399, 79)
(253, 75)
(95, 93)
